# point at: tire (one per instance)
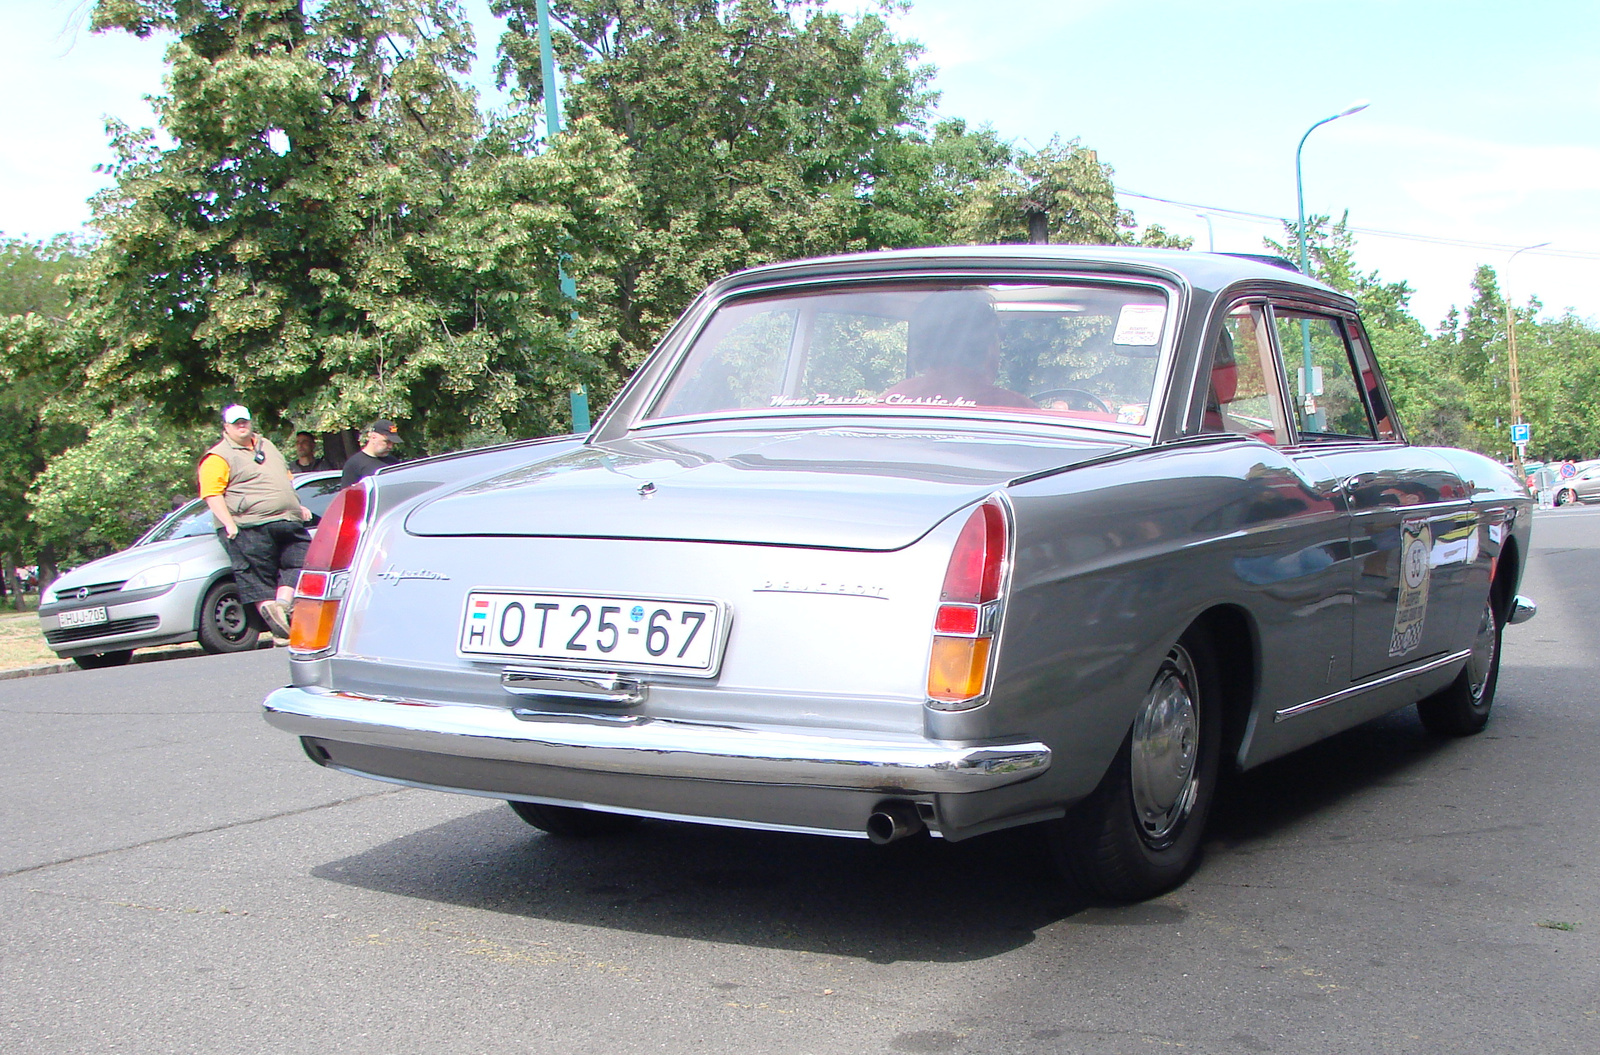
(1138, 834)
(104, 659)
(570, 822)
(225, 624)
(1566, 496)
(1462, 707)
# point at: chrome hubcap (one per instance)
(1166, 751)
(1481, 661)
(229, 617)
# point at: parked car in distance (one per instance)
(936, 541)
(173, 585)
(1584, 487)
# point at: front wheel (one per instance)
(1139, 833)
(1462, 707)
(570, 821)
(1566, 496)
(224, 623)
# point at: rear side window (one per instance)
(1328, 404)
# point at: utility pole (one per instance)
(1511, 350)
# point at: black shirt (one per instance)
(317, 466)
(361, 464)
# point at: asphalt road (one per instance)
(176, 877)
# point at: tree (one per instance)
(100, 495)
(1062, 193)
(32, 309)
(331, 237)
(753, 131)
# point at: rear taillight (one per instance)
(969, 611)
(326, 574)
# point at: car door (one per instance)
(1295, 558)
(1413, 533)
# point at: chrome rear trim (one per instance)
(721, 822)
(1375, 683)
(564, 684)
(1522, 609)
(661, 747)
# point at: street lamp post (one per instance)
(1313, 419)
(1511, 350)
(552, 128)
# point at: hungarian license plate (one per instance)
(593, 630)
(82, 617)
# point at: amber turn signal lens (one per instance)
(958, 668)
(312, 627)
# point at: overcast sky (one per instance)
(1483, 133)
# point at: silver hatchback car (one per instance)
(173, 585)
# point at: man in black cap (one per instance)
(381, 439)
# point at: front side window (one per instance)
(1316, 357)
(1075, 353)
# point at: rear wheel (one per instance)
(224, 623)
(1462, 707)
(1566, 496)
(104, 659)
(1139, 833)
(570, 821)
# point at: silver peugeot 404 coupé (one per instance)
(935, 541)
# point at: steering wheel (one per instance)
(1074, 398)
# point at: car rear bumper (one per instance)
(651, 747)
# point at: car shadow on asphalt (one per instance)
(1260, 803)
(916, 900)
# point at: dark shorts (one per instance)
(266, 557)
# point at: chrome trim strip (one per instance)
(565, 684)
(660, 815)
(655, 746)
(1522, 609)
(1387, 679)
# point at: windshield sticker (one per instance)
(1140, 324)
(894, 399)
(1411, 607)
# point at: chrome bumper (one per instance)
(659, 747)
(1522, 610)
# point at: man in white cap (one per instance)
(246, 483)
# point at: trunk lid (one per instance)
(833, 488)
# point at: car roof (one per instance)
(1210, 272)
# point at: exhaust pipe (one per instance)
(893, 820)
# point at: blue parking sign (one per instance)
(1521, 432)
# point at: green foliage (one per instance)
(752, 131)
(99, 496)
(32, 306)
(333, 236)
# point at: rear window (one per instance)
(1077, 353)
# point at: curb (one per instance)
(41, 669)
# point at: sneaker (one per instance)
(277, 620)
